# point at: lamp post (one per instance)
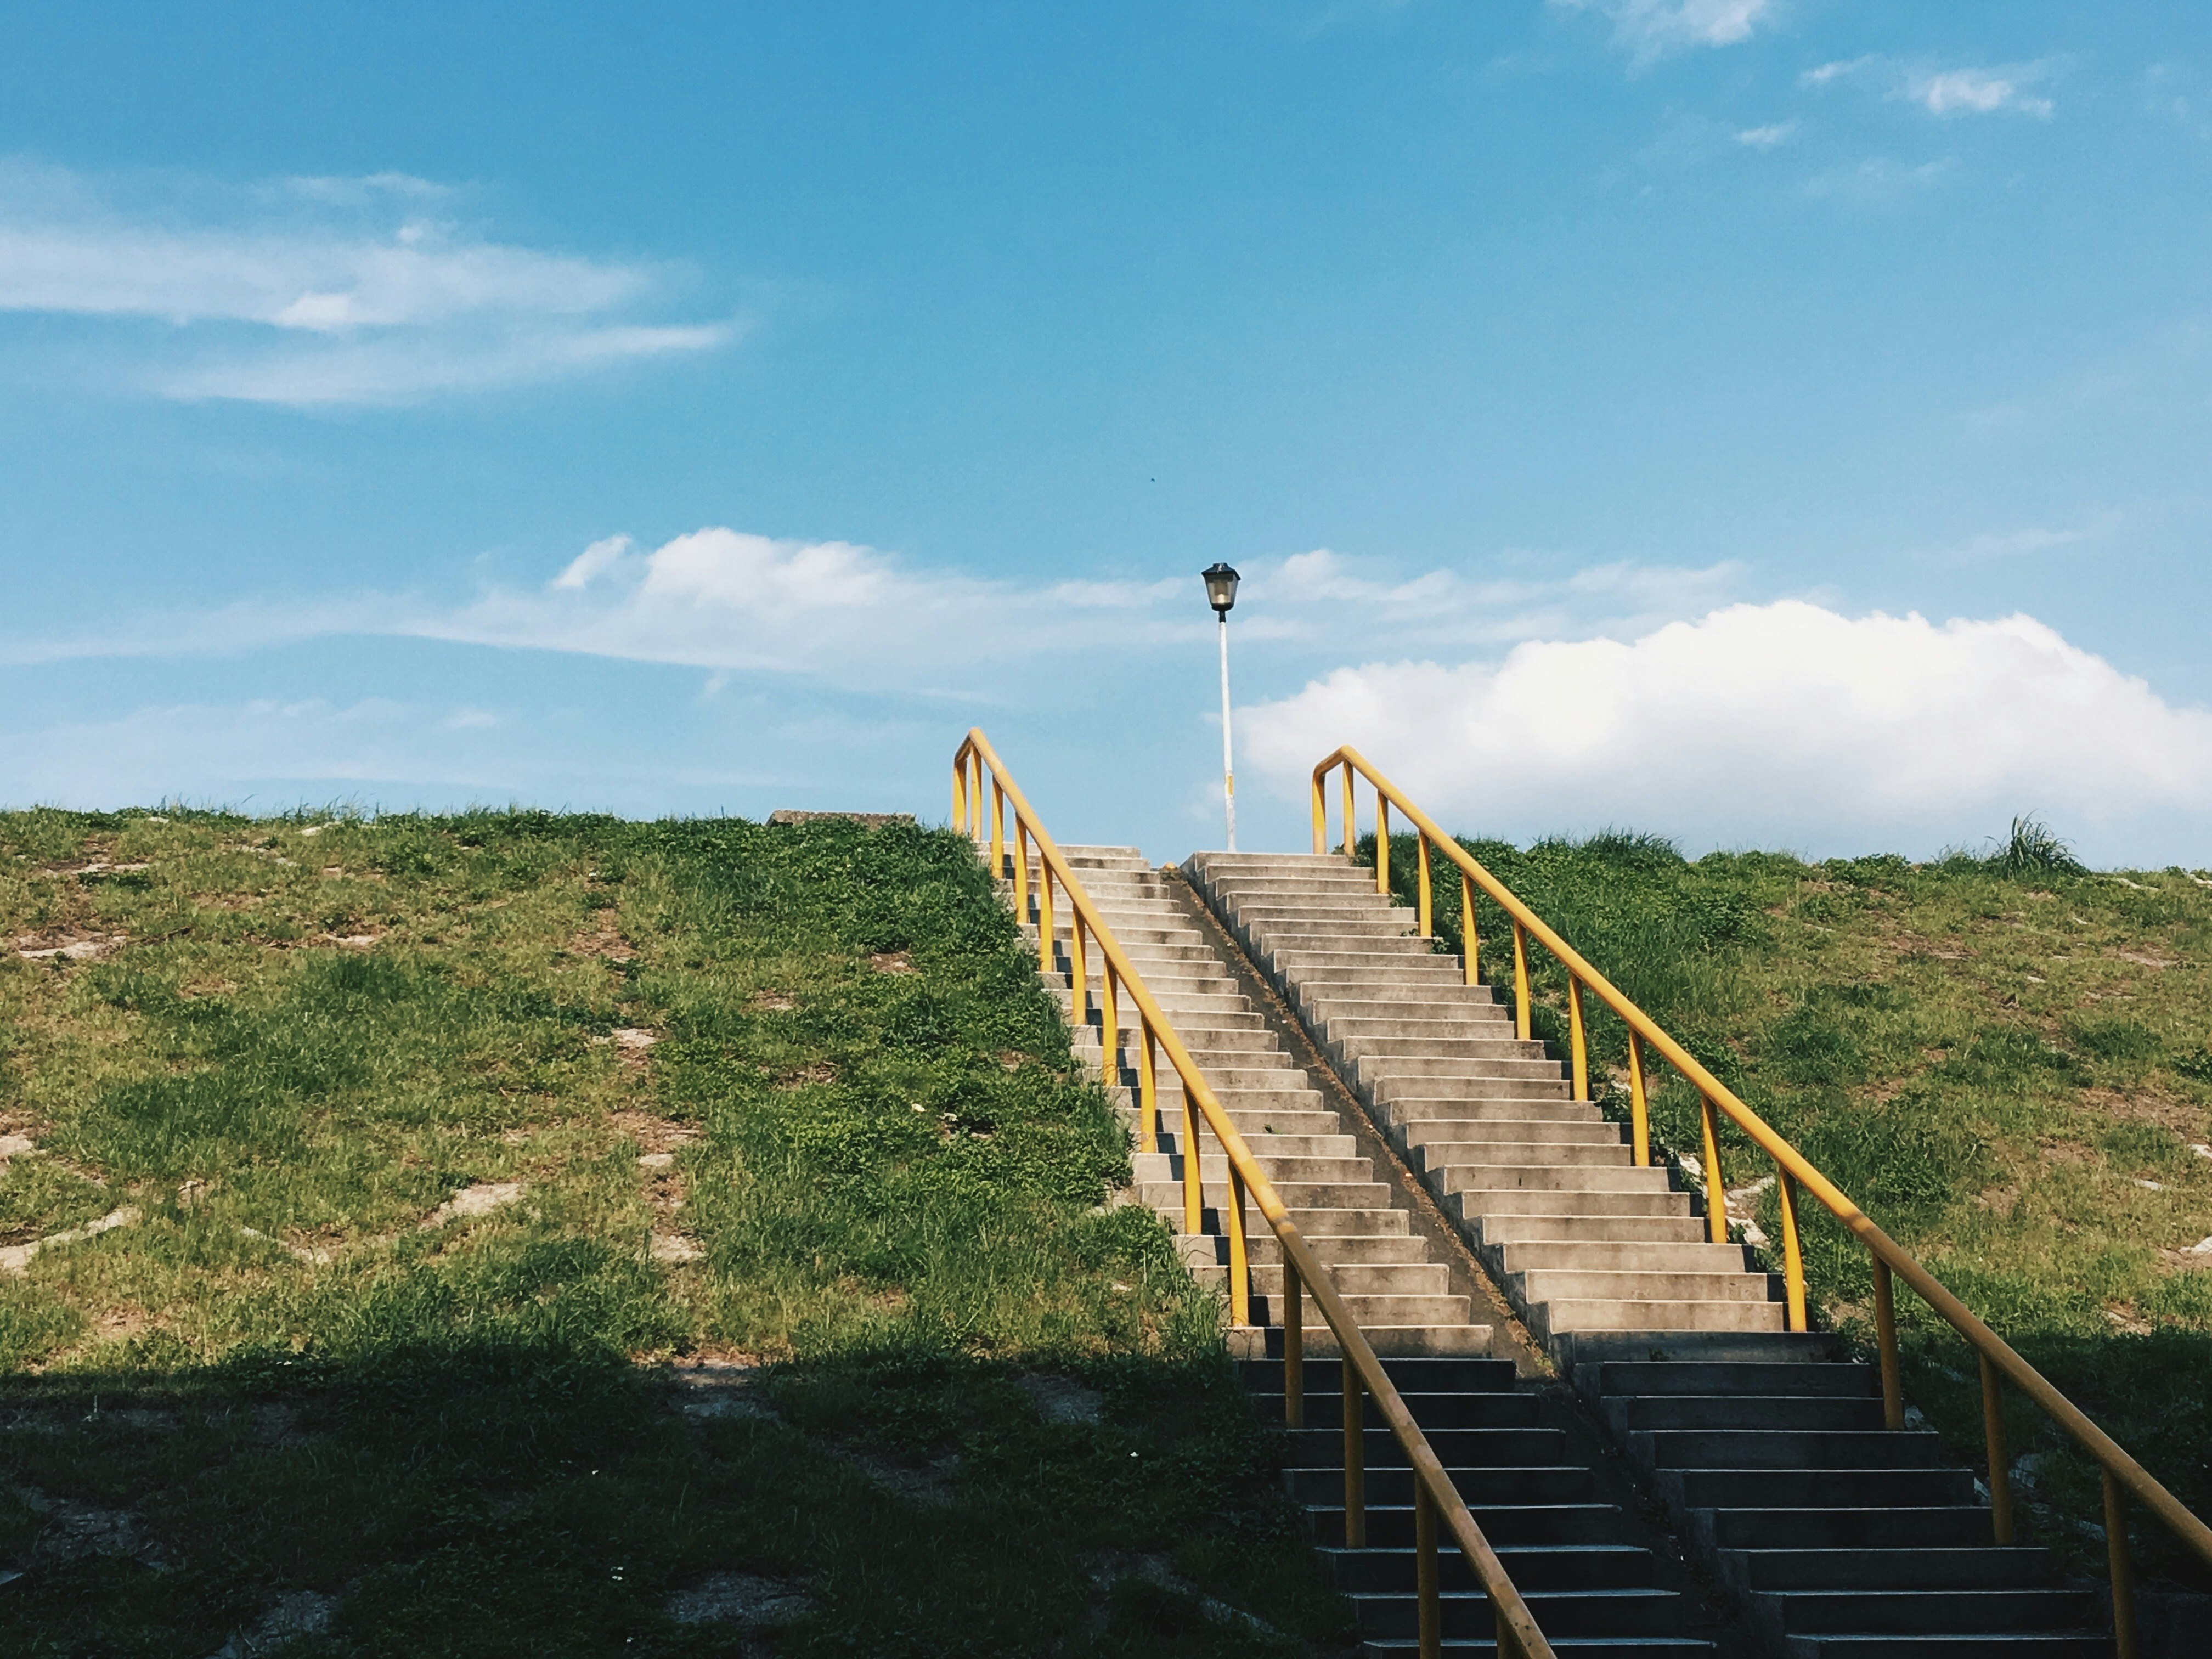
(1221, 592)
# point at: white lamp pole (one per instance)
(1221, 594)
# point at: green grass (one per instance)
(2006, 1061)
(854, 1159)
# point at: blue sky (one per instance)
(1764, 421)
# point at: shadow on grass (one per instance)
(487, 1499)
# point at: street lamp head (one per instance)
(1220, 587)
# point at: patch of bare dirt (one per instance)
(482, 1198)
(819, 1072)
(652, 1134)
(891, 962)
(770, 1002)
(67, 947)
(2143, 959)
(2149, 1106)
(603, 939)
(70, 1531)
(1062, 1399)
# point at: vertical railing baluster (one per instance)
(1710, 1150)
(2124, 1577)
(1320, 815)
(1993, 1433)
(1351, 829)
(1577, 1045)
(1044, 914)
(1428, 1620)
(1078, 967)
(998, 830)
(1193, 1182)
(1467, 947)
(1422, 882)
(1240, 1263)
(1021, 868)
(1109, 1023)
(1639, 1109)
(1793, 1258)
(976, 801)
(1381, 843)
(960, 792)
(1519, 981)
(1885, 1339)
(1148, 1089)
(1355, 1460)
(1294, 1345)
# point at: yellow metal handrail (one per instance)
(1435, 1497)
(2122, 1473)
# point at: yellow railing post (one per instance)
(2000, 1465)
(998, 830)
(1793, 1258)
(1148, 1089)
(1240, 1263)
(1021, 869)
(1078, 981)
(1109, 1025)
(1884, 1341)
(1320, 817)
(1350, 831)
(1519, 981)
(1577, 1045)
(1294, 1345)
(975, 800)
(1044, 918)
(1639, 1110)
(1716, 1190)
(1355, 1461)
(1467, 947)
(1430, 1618)
(2124, 1577)
(960, 792)
(1422, 886)
(1381, 843)
(1193, 1182)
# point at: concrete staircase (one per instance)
(1839, 1537)
(1397, 1291)
(1542, 1185)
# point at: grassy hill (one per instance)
(531, 1234)
(2006, 1061)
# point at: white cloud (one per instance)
(1766, 138)
(1651, 28)
(345, 292)
(1947, 92)
(1836, 71)
(1880, 182)
(723, 600)
(1784, 724)
(1979, 91)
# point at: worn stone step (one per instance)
(1741, 1411)
(1548, 1483)
(1390, 1526)
(1494, 1177)
(1885, 1613)
(1507, 1203)
(1631, 1256)
(1837, 1569)
(1562, 1613)
(1323, 1448)
(1338, 1250)
(1858, 1488)
(1623, 1313)
(1853, 1529)
(1285, 1171)
(1787, 1449)
(1363, 1278)
(1712, 1284)
(1514, 1132)
(1528, 1150)
(1603, 1230)
(1382, 1570)
(1640, 1376)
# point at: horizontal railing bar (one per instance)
(1319, 1284)
(2138, 1481)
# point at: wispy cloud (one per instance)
(1767, 137)
(1947, 92)
(310, 291)
(1650, 29)
(1881, 182)
(1981, 91)
(849, 614)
